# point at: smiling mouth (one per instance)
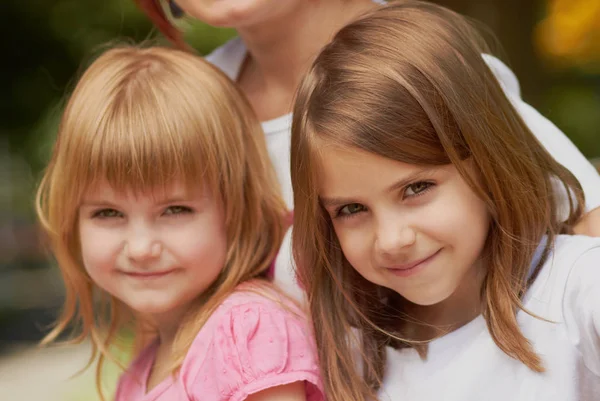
(405, 268)
(149, 275)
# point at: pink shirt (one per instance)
(249, 344)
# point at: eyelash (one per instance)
(183, 210)
(428, 186)
(100, 214)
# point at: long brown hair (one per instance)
(139, 118)
(408, 82)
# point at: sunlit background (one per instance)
(553, 46)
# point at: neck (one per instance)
(168, 325)
(279, 52)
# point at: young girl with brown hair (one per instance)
(431, 224)
(278, 40)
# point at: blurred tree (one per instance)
(44, 43)
(509, 25)
(568, 40)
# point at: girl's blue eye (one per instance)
(107, 214)
(417, 188)
(350, 209)
(177, 209)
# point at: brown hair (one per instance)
(138, 118)
(408, 82)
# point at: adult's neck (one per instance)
(280, 51)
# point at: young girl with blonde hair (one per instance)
(430, 224)
(164, 215)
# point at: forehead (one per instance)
(347, 170)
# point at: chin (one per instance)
(230, 16)
(426, 299)
(152, 307)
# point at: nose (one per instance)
(142, 246)
(393, 239)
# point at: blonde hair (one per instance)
(408, 82)
(138, 118)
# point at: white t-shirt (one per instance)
(229, 59)
(466, 365)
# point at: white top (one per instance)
(229, 58)
(466, 365)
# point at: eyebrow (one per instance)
(179, 199)
(160, 202)
(415, 176)
(97, 203)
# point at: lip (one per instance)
(409, 269)
(149, 275)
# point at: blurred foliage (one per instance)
(570, 34)
(568, 40)
(576, 108)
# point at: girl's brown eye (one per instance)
(106, 214)
(177, 209)
(351, 209)
(417, 188)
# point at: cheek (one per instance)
(216, 13)
(455, 213)
(204, 241)
(239, 13)
(355, 245)
(199, 9)
(196, 242)
(99, 248)
(465, 223)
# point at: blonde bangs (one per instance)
(153, 131)
(137, 150)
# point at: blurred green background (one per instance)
(552, 45)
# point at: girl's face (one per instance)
(238, 13)
(155, 252)
(417, 230)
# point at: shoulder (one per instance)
(228, 57)
(576, 252)
(581, 297)
(580, 257)
(570, 257)
(572, 268)
(256, 339)
(260, 297)
(252, 300)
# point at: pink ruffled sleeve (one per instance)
(253, 347)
